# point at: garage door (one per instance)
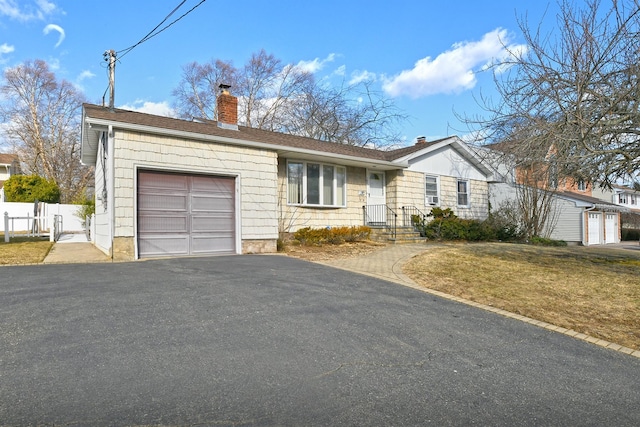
(182, 214)
(611, 228)
(594, 228)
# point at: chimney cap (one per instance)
(421, 140)
(224, 88)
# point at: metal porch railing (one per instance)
(381, 216)
(412, 217)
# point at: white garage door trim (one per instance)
(181, 214)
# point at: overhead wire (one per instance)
(154, 33)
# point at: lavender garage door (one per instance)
(182, 214)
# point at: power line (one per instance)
(154, 33)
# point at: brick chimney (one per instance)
(421, 140)
(227, 108)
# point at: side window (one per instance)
(463, 193)
(431, 191)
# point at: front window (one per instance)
(431, 191)
(316, 184)
(463, 193)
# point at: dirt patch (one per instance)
(331, 252)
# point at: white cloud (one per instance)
(362, 76)
(54, 27)
(316, 64)
(452, 71)
(156, 108)
(14, 10)
(4, 49)
(86, 74)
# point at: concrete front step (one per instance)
(403, 235)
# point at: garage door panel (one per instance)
(212, 223)
(219, 243)
(156, 246)
(212, 184)
(164, 202)
(164, 224)
(163, 181)
(211, 203)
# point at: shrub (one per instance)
(87, 208)
(543, 241)
(29, 188)
(630, 234)
(335, 235)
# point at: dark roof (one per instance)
(584, 198)
(7, 159)
(211, 128)
(401, 152)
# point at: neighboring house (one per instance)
(174, 187)
(9, 165)
(575, 217)
(620, 195)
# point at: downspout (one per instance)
(112, 186)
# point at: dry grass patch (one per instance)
(24, 250)
(593, 291)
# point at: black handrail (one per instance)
(381, 216)
(412, 217)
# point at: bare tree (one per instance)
(286, 98)
(574, 94)
(41, 118)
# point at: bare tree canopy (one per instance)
(285, 98)
(574, 94)
(41, 122)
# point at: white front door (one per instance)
(376, 197)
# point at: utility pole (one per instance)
(110, 56)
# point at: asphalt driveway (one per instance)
(270, 340)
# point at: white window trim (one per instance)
(427, 202)
(468, 205)
(320, 184)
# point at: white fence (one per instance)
(21, 217)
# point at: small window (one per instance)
(581, 185)
(463, 193)
(431, 191)
(622, 198)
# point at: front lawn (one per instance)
(595, 291)
(24, 250)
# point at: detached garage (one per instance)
(180, 214)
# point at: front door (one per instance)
(376, 198)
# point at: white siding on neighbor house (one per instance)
(256, 171)
(566, 221)
(293, 218)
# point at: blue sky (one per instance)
(427, 55)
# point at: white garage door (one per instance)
(611, 228)
(594, 228)
(182, 214)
